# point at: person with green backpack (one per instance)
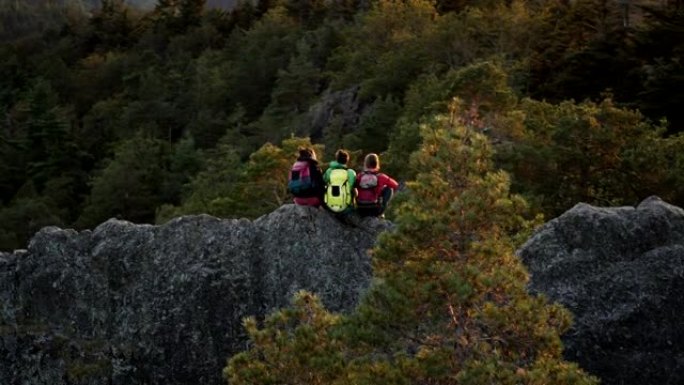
(339, 181)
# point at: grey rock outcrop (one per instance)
(621, 273)
(140, 304)
(336, 110)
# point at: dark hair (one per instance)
(342, 156)
(305, 152)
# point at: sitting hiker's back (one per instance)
(339, 180)
(374, 188)
(305, 180)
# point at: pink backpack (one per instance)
(367, 190)
(300, 182)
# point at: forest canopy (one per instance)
(179, 108)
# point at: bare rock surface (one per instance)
(128, 304)
(621, 273)
(336, 110)
(140, 304)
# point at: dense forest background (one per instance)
(113, 111)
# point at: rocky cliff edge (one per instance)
(620, 271)
(140, 304)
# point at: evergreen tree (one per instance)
(177, 16)
(191, 12)
(46, 131)
(255, 57)
(229, 188)
(659, 46)
(131, 185)
(295, 88)
(212, 190)
(184, 162)
(481, 88)
(24, 216)
(296, 347)
(333, 134)
(587, 152)
(376, 125)
(308, 13)
(51, 156)
(448, 304)
(111, 26)
(385, 48)
(13, 158)
(263, 185)
(242, 16)
(297, 84)
(581, 40)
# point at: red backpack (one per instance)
(367, 190)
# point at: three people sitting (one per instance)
(340, 188)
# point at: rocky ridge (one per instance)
(620, 271)
(140, 304)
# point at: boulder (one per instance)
(620, 271)
(335, 110)
(141, 304)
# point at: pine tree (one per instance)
(659, 47)
(588, 152)
(448, 304)
(179, 15)
(229, 188)
(212, 190)
(263, 185)
(376, 124)
(295, 346)
(385, 49)
(131, 186)
(481, 88)
(451, 306)
(111, 26)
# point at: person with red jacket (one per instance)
(374, 189)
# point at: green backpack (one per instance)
(337, 196)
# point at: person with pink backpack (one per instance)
(374, 189)
(305, 180)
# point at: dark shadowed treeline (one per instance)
(143, 115)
